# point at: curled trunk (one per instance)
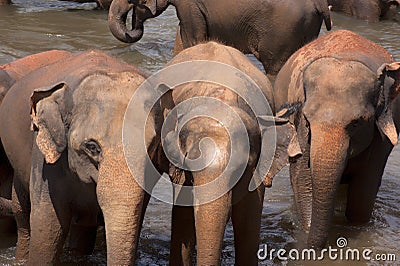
(117, 17)
(329, 145)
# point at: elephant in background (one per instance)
(9, 74)
(72, 167)
(270, 30)
(369, 10)
(347, 125)
(204, 224)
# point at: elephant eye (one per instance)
(92, 148)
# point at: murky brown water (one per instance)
(33, 26)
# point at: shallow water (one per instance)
(34, 26)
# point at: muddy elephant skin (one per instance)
(347, 125)
(204, 225)
(78, 168)
(247, 26)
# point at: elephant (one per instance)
(369, 10)
(347, 125)
(270, 30)
(204, 224)
(64, 144)
(9, 74)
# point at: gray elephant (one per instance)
(204, 224)
(271, 30)
(348, 123)
(73, 164)
(369, 10)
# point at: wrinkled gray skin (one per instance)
(73, 159)
(347, 125)
(369, 10)
(204, 225)
(271, 30)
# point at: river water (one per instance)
(32, 26)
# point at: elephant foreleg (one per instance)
(50, 211)
(366, 179)
(21, 208)
(82, 239)
(247, 230)
(183, 237)
(48, 234)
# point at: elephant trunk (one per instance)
(328, 153)
(210, 222)
(117, 16)
(121, 200)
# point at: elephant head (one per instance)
(84, 120)
(345, 104)
(141, 10)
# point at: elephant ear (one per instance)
(47, 105)
(388, 83)
(287, 145)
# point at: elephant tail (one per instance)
(323, 9)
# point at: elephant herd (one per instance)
(333, 110)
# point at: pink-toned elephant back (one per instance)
(341, 44)
(21, 67)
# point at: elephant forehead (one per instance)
(329, 77)
(339, 90)
(107, 87)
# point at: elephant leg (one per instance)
(178, 45)
(246, 220)
(48, 233)
(21, 208)
(50, 210)
(82, 239)
(300, 178)
(5, 207)
(183, 237)
(364, 183)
